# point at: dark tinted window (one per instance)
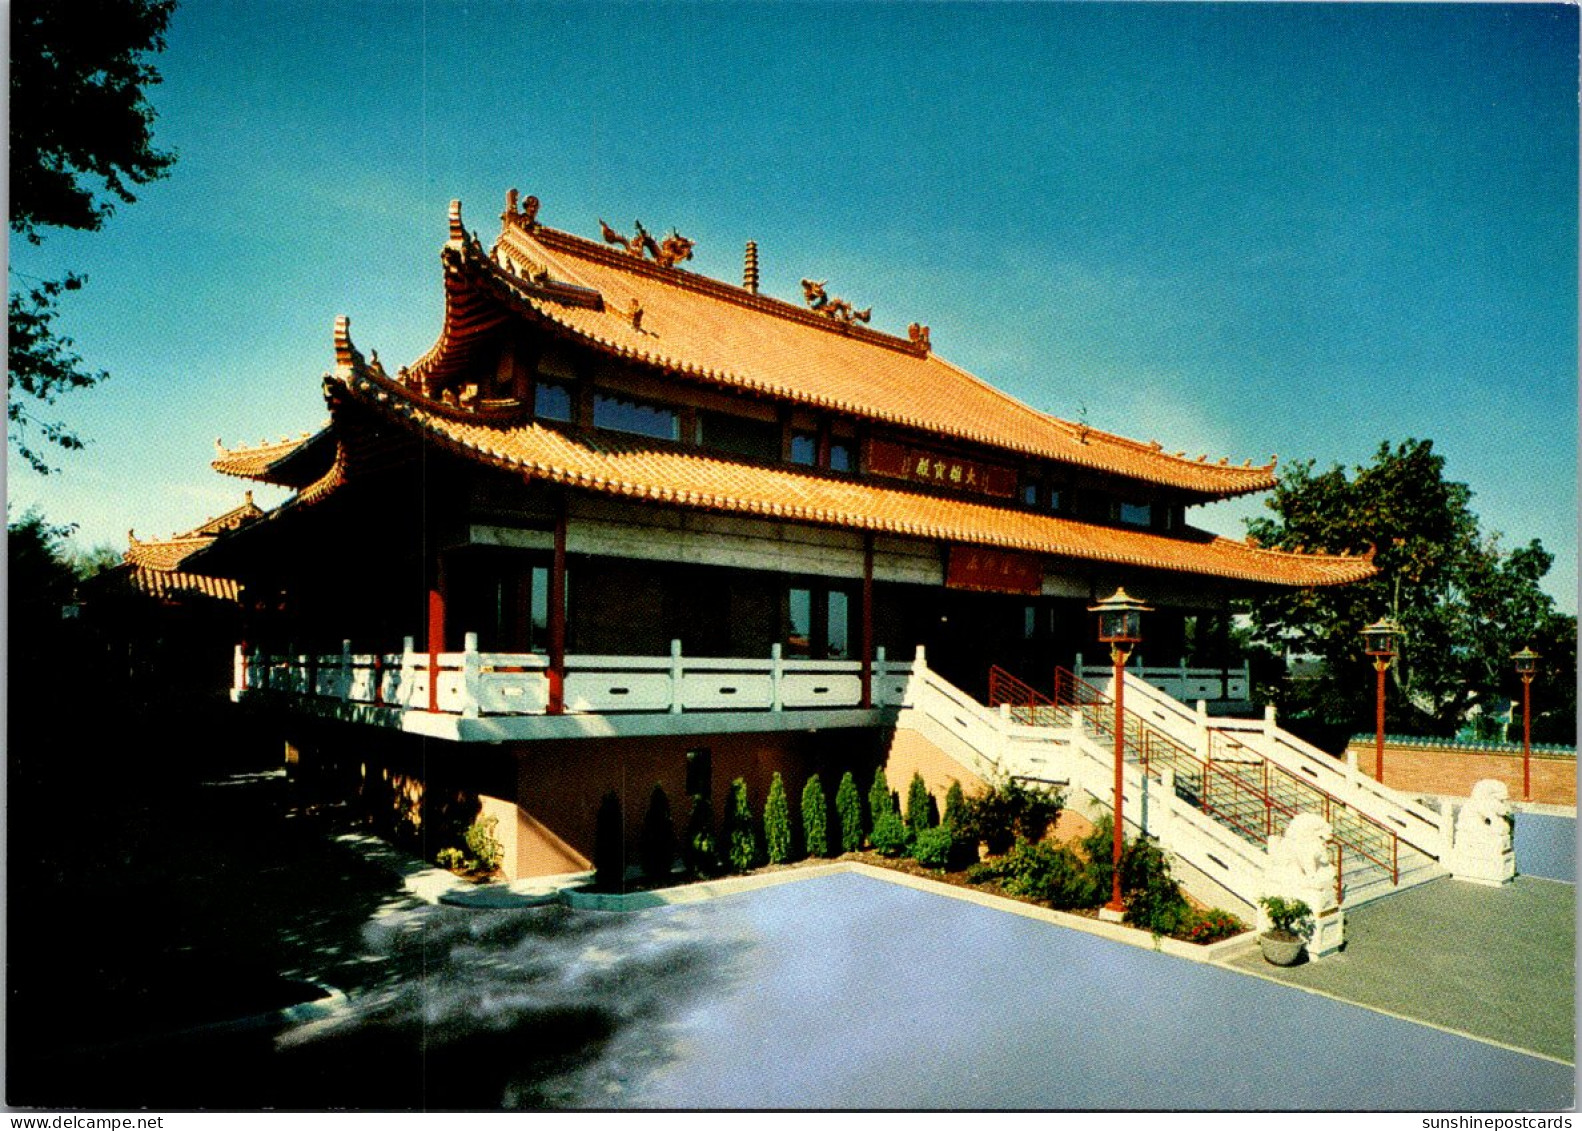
(759, 439)
(552, 402)
(804, 449)
(636, 417)
(840, 456)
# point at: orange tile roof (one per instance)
(158, 583)
(154, 566)
(714, 332)
(671, 474)
(278, 461)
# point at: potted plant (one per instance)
(1289, 921)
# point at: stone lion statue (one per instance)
(1303, 850)
(1485, 822)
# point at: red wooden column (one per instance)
(436, 630)
(867, 621)
(557, 616)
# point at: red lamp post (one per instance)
(1379, 642)
(1527, 667)
(1120, 626)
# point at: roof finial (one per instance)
(750, 269)
(248, 495)
(457, 232)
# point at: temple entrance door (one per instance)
(969, 632)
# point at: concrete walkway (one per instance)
(1493, 963)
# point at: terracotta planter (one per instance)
(1281, 950)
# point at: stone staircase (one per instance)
(1249, 778)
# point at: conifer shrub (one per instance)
(880, 799)
(609, 845)
(815, 818)
(657, 849)
(963, 845)
(701, 850)
(918, 803)
(889, 834)
(777, 823)
(848, 808)
(738, 833)
(935, 847)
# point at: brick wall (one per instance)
(1451, 772)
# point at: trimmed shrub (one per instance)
(1009, 811)
(741, 839)
(1098, 847)
(955, 805)
(484, 851)
(1048, 872)
(848, 809)
(452, 858)
(889, 835)
(1153, 897)
(934, 848)
(609, 845)
(880, 799)
(701, 849)
(657, 849)
(815, 818)
(918, 804)
(777, 822)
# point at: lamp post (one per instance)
(1120, 626)
(1527, 667)
(1379, 642)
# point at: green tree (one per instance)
(955, 805)
(880, 799)
(815, 818)
(609, 845)
(702, 848)
(919, 806)
(657, 849)
(848, 808)
(81, 138)
(777, 822)
(1464, 602)
(741, 838)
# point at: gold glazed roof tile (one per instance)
(719, 333)
(638, 468)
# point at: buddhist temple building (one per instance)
(620, 510)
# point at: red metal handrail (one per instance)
(1279, 798)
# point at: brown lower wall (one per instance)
(1452, 773)
(560, 784)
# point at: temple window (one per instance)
(818, 623)
(839, 456)
(637, 417)
(1137, 514)
(799, 628)
(839, 637)
(1030, 494)
(804, 448)
(757, 439)
(1054, 498)
(552, 402)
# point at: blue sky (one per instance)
(1240, 229)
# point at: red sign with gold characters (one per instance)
(993, 571)
(920, 465)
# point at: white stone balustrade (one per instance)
(472, 684)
